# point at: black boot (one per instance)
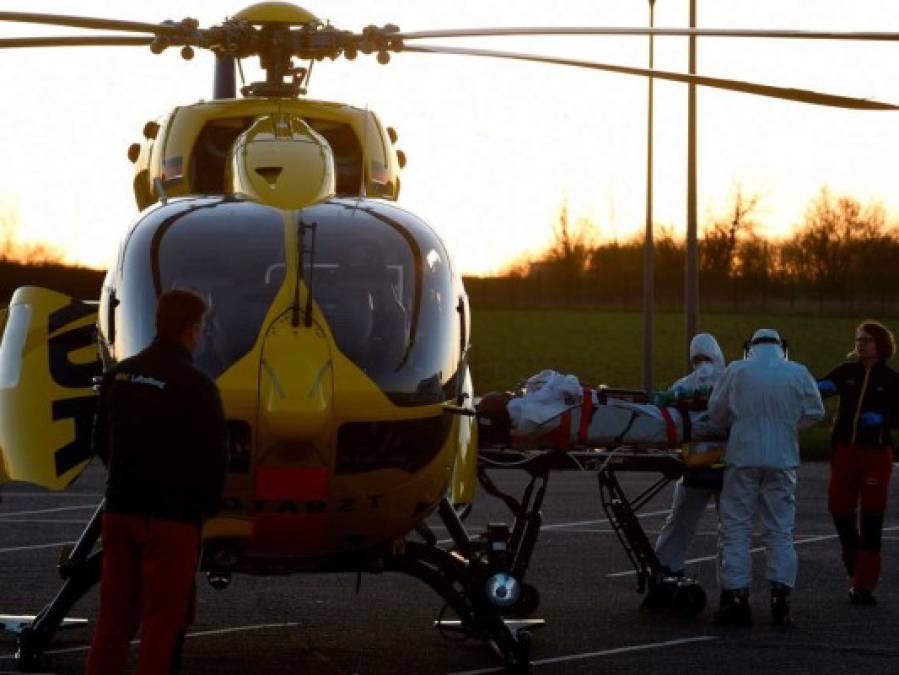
(847, 529)
(780, 605)
(735, 609)
(859, 596)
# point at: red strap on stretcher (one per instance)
(560, 437)
(670, 426)
(586, 415)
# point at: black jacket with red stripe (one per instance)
(861, 390)
(160, 428)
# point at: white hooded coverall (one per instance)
(689, 503)
(765, 399)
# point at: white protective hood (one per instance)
(706, 374)
(766, 400)
(766, 349)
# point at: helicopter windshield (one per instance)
(228, 251)
(380, 276)
(383, 282)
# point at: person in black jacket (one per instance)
(861, 463)
(160, 428)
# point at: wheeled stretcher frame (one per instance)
(665, 591)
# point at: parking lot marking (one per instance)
(44, 520)
(604, 652)
(13, 549)
(199, 633)
(87, 495)
(808, 540)
(81, 507)
(240, 629)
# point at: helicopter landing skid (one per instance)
(477, 588)
(461, 579)
(80, 570)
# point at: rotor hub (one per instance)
(277, 32)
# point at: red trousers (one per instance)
(860, 477)
(149, 571)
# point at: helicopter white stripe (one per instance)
(808, 540)
(15, 549)
(199, 633)
(61, 508)
(604, 652)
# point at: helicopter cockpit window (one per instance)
(382, 280)
(347, 153)
(207, 165)
(228, 251)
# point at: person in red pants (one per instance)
(862, 459)
(160, 428)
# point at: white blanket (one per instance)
(553, 406)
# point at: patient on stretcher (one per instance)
(555, 410)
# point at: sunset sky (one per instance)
(493, 147)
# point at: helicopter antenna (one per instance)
(160, 190)
(308, 73)
(295, 309)
(243, 80)
(311, 254)
(303, 252)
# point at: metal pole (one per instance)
(648, 244)
(691, 285)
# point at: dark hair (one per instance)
(884, 339)
(177, 311)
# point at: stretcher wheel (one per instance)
(689, 599)
(527, 604)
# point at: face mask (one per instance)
(705, 370)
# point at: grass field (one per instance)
(603, 347)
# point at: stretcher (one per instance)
(607, 432)
(604, 418)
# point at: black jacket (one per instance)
(864, 390)
(160, 428)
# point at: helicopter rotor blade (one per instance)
(77, 41)
(789, 94)
(91, 22)
(663, 32)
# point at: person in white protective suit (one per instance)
(765, 399)
(690, 500)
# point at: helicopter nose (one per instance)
(295, 382)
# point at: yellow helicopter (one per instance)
(338, 330)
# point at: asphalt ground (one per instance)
(319, 624)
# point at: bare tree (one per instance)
(571, 244)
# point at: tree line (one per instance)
(40, 264)
(844, 256)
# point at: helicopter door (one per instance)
(48, 358)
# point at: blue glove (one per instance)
(871, 419)
(827, 387)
